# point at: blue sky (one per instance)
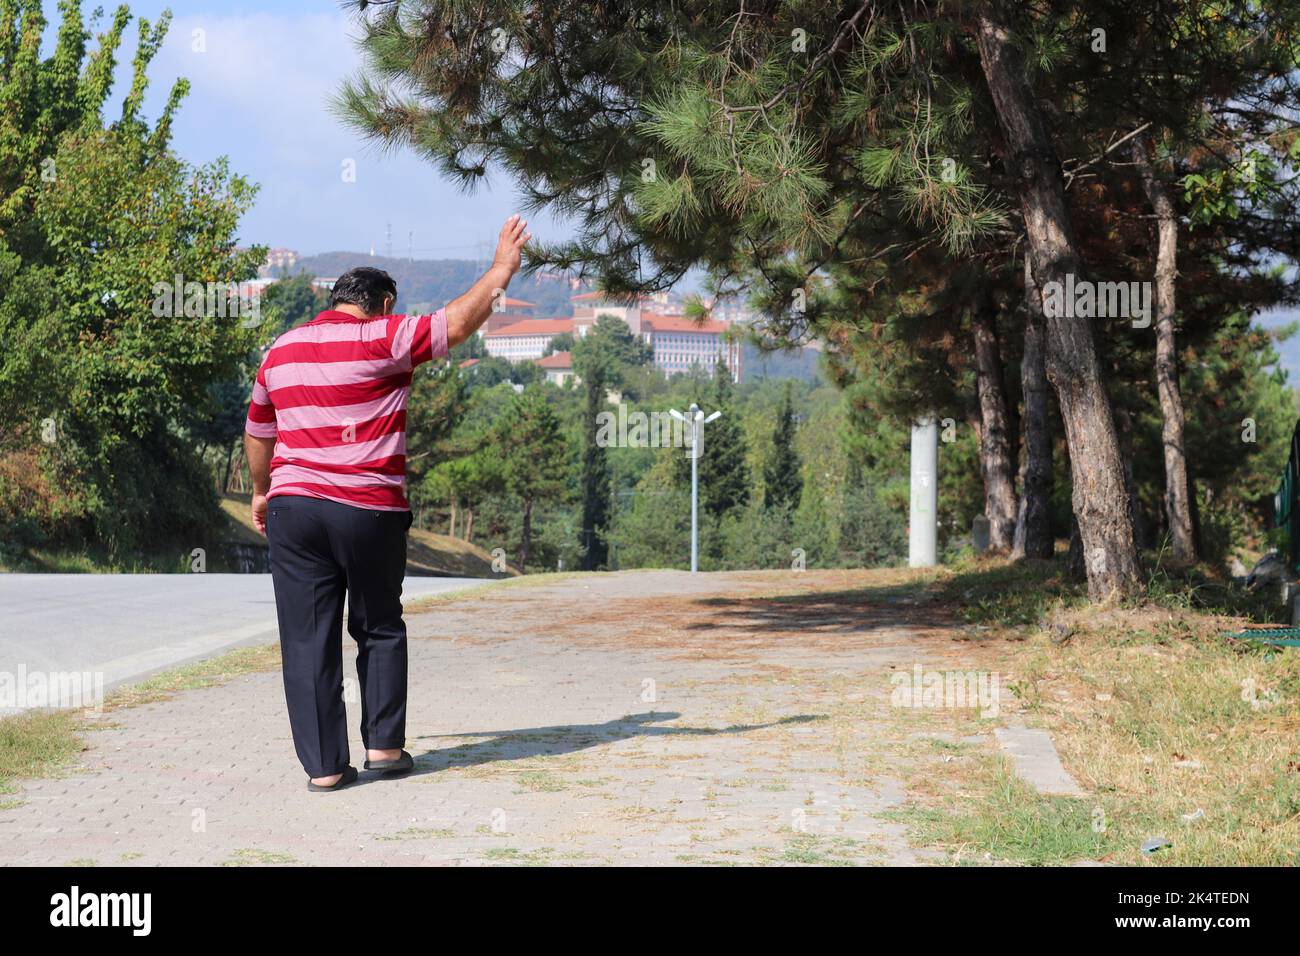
(260, 95)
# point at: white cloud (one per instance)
(261, 94)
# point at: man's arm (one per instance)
(467, 312)
(258, 451)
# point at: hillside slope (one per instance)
(428, 553)
(434, 282)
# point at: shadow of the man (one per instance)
(527, 742)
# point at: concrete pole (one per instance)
(923, 529)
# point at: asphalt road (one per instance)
(128, 626)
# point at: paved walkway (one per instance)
(123, 627)
(639, 717)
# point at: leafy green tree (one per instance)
(559, 343)
(291, 302)
(653, 529)
(95, 220)
(464, 482)
(624, 350)
(531, 448)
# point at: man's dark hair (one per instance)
(366, 287)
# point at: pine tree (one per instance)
(841, 163)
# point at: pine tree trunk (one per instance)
(1100, 498)
(239, 469)
(1124, 429)
(451, 528)
(1074, 566)
(996, 465)
(230, 458)
(469, 523)
(1034, 530)
(1178, 509)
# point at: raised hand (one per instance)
(510, 243)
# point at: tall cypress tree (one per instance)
(782, 482)
(595, 481)
(599, 359)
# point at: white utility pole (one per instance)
(923, 530)
(697, 422)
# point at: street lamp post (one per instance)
(697, 422)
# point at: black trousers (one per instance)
(319, 550)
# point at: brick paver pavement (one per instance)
(632, 718)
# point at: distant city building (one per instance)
(729, 310)
(513, 312)
(279, 262)
(558, 367)
(676, 342)
(589, 305)
(526, 340)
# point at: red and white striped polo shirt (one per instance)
(333, 394)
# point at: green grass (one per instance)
(45, 743)
(543, 856)
(541, 781)
(1152, 710)
(249, 857)
(808, 849)
(207, 673)
(419, 833)
(1013, 823)
(95, 561)
(37, 745)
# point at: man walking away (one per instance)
(326, 445)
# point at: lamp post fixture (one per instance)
(695, 417)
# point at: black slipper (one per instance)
(349, 776)
(401, 764)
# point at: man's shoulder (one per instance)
(315, 332)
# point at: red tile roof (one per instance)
(601, 295)
(557, 360)
(533, 327)
(679, 323)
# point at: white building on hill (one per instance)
(524, 341)
(676, 342)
